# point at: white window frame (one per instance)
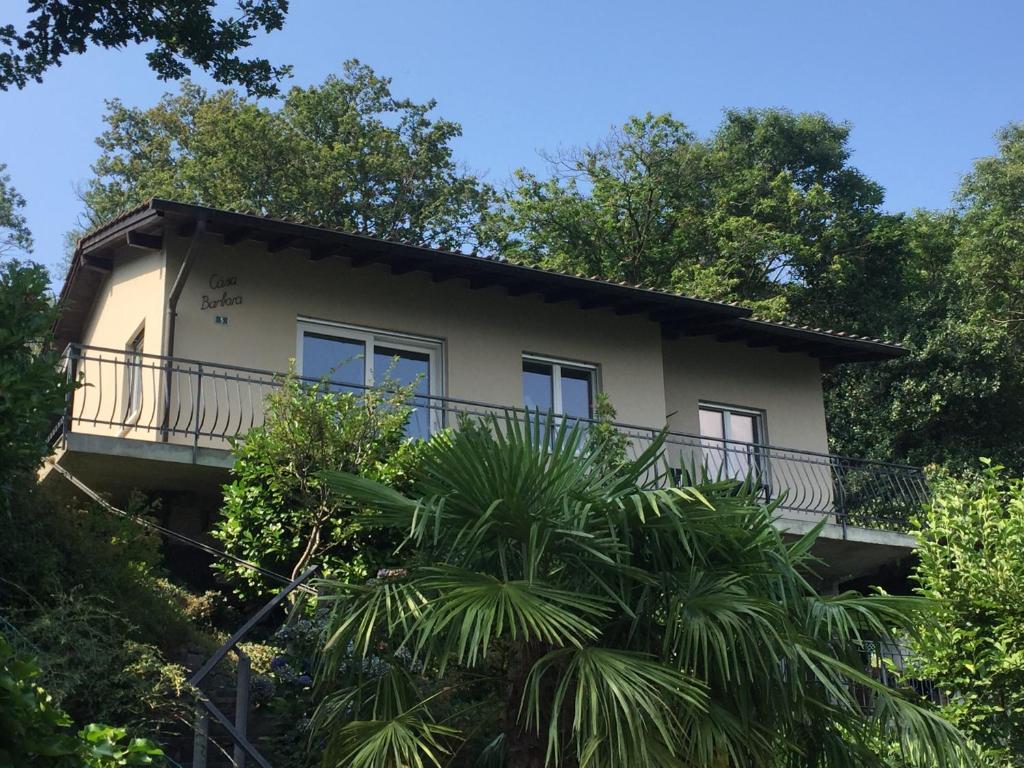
(134, 350)
(556, 379)
(372, 338)
(760, 431)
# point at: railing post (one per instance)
(840, 501)
(242, 704)
(201, 741)
(70, 359)
(198, 412)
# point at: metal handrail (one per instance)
(74, 350)
(238, 728)
(204, 404)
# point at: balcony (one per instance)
(183, 414)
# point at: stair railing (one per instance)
(237, 728)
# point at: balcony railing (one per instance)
(205, 405)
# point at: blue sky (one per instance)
(925, 84)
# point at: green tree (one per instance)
(553, 611)
(186, 34)
(960, 394)
(277, 511)
(14, 231)
(345, 154)
(972, 568)
(767, 210)
(31, 387)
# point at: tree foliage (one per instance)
(552, 611)
(972, 568)
(186, 34)
(345, 154)
(14, 231)
(766, 207)
(277, 510)
(960, 394)
(31, 387)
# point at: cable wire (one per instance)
(171, 534)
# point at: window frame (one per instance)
(556, 381)
(134, 351)
(728, 442)
(372, 338)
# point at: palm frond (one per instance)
(405, 741)
(626, 706)
(469, 611)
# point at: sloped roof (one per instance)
(678, 313)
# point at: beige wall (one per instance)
(484, 335)
(785, 387)
(130, 299)
(484, 332)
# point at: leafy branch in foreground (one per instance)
(553, 611)
(185, 32)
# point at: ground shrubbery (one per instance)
(82, 592)
(972, 567)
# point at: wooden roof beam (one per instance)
(138, 239)
(235, 236)
(279, 244)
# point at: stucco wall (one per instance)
(785, 387)
(484, 335)
(484, 332)
(131, 299)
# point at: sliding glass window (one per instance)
(730, 438)
(559, 388)
(351, 359)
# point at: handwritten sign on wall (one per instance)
(227, 298)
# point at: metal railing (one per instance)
(891, 663)
(206, 405)
(243, 749)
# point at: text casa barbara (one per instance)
(226, 298)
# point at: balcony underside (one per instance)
(118, 466)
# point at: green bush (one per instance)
(95, 670)
(277, 512)
(31, 387)
(972, 568)
(35, 732)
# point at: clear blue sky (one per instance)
(925, 84)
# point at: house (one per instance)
(177, 317)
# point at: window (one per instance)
(354, 358)
(561, 388)
(133, 377)
(730, 439)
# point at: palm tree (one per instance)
(552, 608)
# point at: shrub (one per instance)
(95, 670)
(278, 513)
(972, 567)
(35, 732)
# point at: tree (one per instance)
(960, 394)
(972, 568)
(32, 389)
(547, 610)
(345, 154)
(186, 34)
(14, 231)
(277, 511)
(767, 211)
